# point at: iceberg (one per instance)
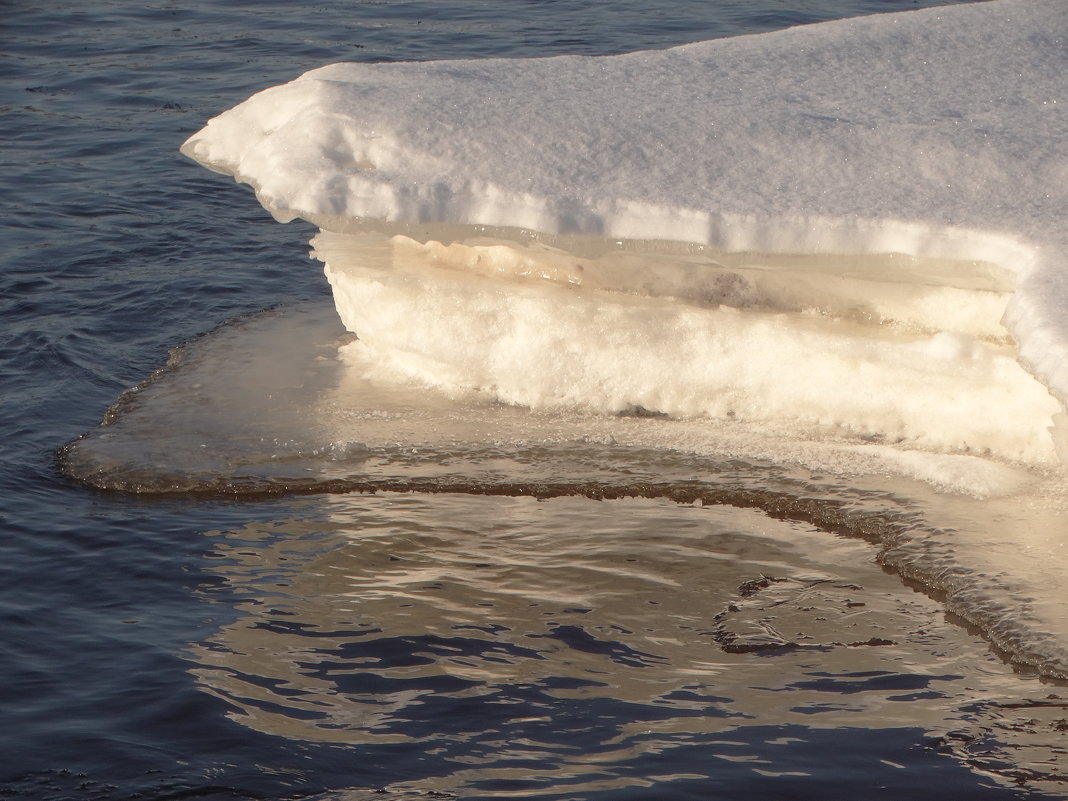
(847, 229)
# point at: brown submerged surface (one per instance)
(718, 590)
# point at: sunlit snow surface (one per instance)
(702, 273)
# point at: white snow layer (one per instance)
(853, 226)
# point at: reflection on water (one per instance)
(264, 406)
(516, 647)
(497, 631)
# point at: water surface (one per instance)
(337, 646)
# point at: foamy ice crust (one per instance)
(852, 231)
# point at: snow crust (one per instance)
(857, 225)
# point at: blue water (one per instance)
(296, 648)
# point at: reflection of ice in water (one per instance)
(576, 641)
(266, 406)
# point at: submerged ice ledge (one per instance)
(919, 155)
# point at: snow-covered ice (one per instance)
(852, 230)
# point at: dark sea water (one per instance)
(400, 644)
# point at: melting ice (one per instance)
(852, 228)
(838, 248)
